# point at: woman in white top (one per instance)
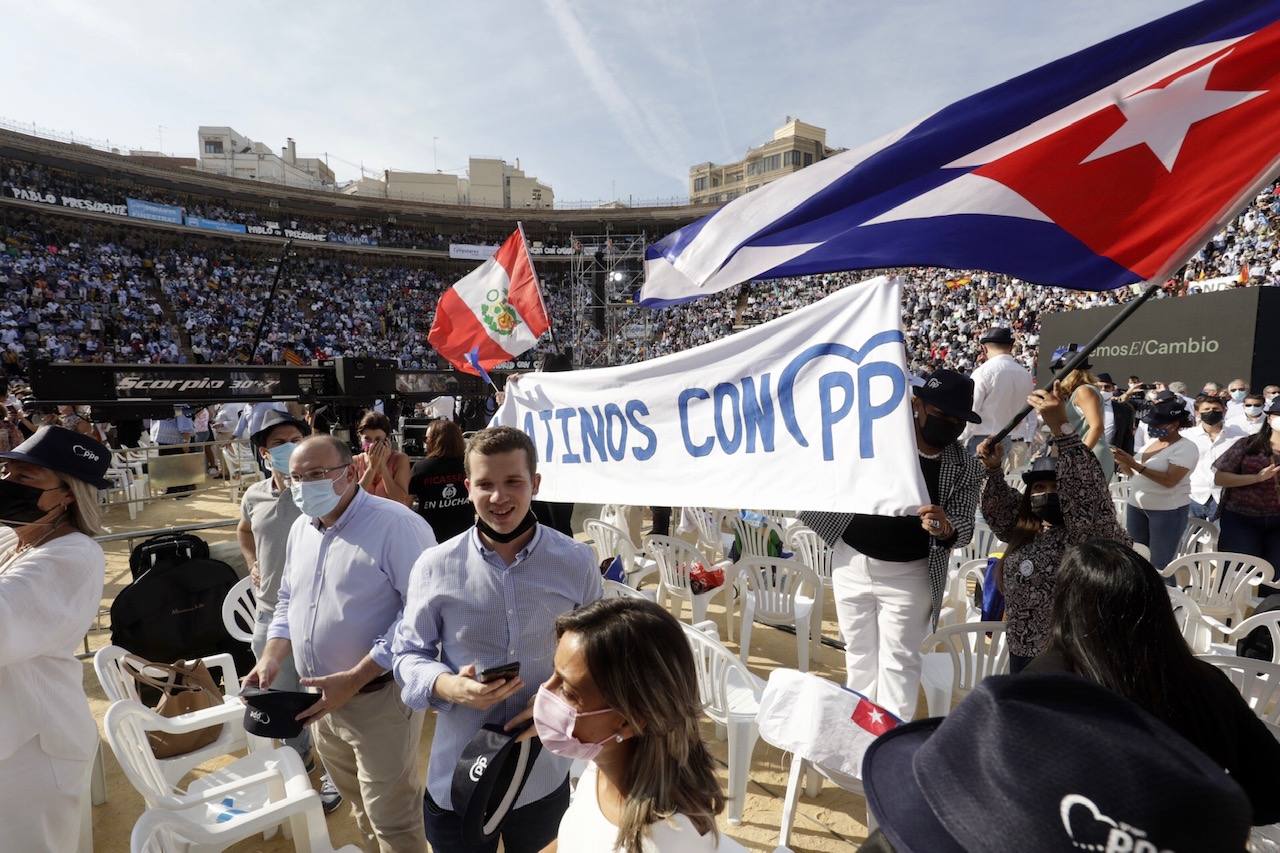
(624, 697)
(51, 575)
(1160, 498)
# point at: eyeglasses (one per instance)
(314, 475)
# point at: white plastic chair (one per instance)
(120, 686)
(711, 535)
(250, 796)
(240, 610)
(754, 536)
(609, 541)
(811, 550)
(1270, 620)
(957, 603)
(1120, 491)
(968, 657)
(1221, 582)
(730, 696)
(1191, 622)
(613, 589)
(1257, 680)
(778, 591)
(674, 558)
(242, 468)
(983, 543)
(1199, 537)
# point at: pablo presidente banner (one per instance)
(809, 411)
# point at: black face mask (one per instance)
(939, 432)
(19, 502)
(1046, 507)
(520, 529)
(1212, 418)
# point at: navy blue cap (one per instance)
(487, 781)
(67, 452)
(951, 393)
(1054, 764)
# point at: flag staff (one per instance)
(537, 283)
(271, 298)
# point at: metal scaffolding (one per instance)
(605, 279)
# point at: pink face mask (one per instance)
(555, 718)
(365, 444)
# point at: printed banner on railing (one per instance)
(141, 209)
(216, 225)
(809, 411)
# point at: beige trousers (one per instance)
(370, 750)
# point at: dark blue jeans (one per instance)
(527, 829)
(1158, 529)
(1257, 536)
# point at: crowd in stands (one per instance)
(93, 292)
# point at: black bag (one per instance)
(174, 612)
(1257, 643)
(165, 550)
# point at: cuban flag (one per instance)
(493, 314)
(1105, 168)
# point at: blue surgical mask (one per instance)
(1253, 411)
(316, 498)
(1238, 395)
(280, 456)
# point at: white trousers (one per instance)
(883, 610)
(41, 800)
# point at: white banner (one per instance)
(809, 411)
(471, 251)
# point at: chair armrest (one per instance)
(224, 713)
(230, 678)
(217, 791)
(1216, 625)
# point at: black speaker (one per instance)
(363, 376)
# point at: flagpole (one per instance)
(271, 299)
(537, 285)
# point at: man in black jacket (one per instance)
(1123, 418)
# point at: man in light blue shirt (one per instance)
(342, 593)
(487, 597)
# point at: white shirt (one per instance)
(1148, 494)
(1202, 487)
(1244, 424)
(585, 829)
(49, 596)
(1000, 389)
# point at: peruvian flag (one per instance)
(493, 314)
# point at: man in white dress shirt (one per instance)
(341, 598)
(1000, 389)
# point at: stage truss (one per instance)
(605, 278)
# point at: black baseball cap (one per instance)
(1106, 377)
(997, 335)
(1165, 410)
(272, 713)
(1051, 763)
(950, 392)
(273, 419)
(1042, 468)
(487, 780)
(67, 452)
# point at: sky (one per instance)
(598, 98)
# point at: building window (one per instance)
(753, 168)
(715, 182)
(808, 159)
(699, 184)
(213, 146)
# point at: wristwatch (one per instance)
(1067, 429)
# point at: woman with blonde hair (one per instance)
(624, 697)
(51, 575)
(1085, 413)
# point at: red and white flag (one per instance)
(493, 314)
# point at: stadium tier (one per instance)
(106, 260)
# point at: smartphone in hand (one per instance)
(499, 672)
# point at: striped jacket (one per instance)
(959, 481)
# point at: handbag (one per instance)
(184, 687)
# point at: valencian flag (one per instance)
(493, 314)
(1105, 168)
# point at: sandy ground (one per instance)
(834, 820)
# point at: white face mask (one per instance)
(1253, 411)
(1274, 420)
(1106, 395)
